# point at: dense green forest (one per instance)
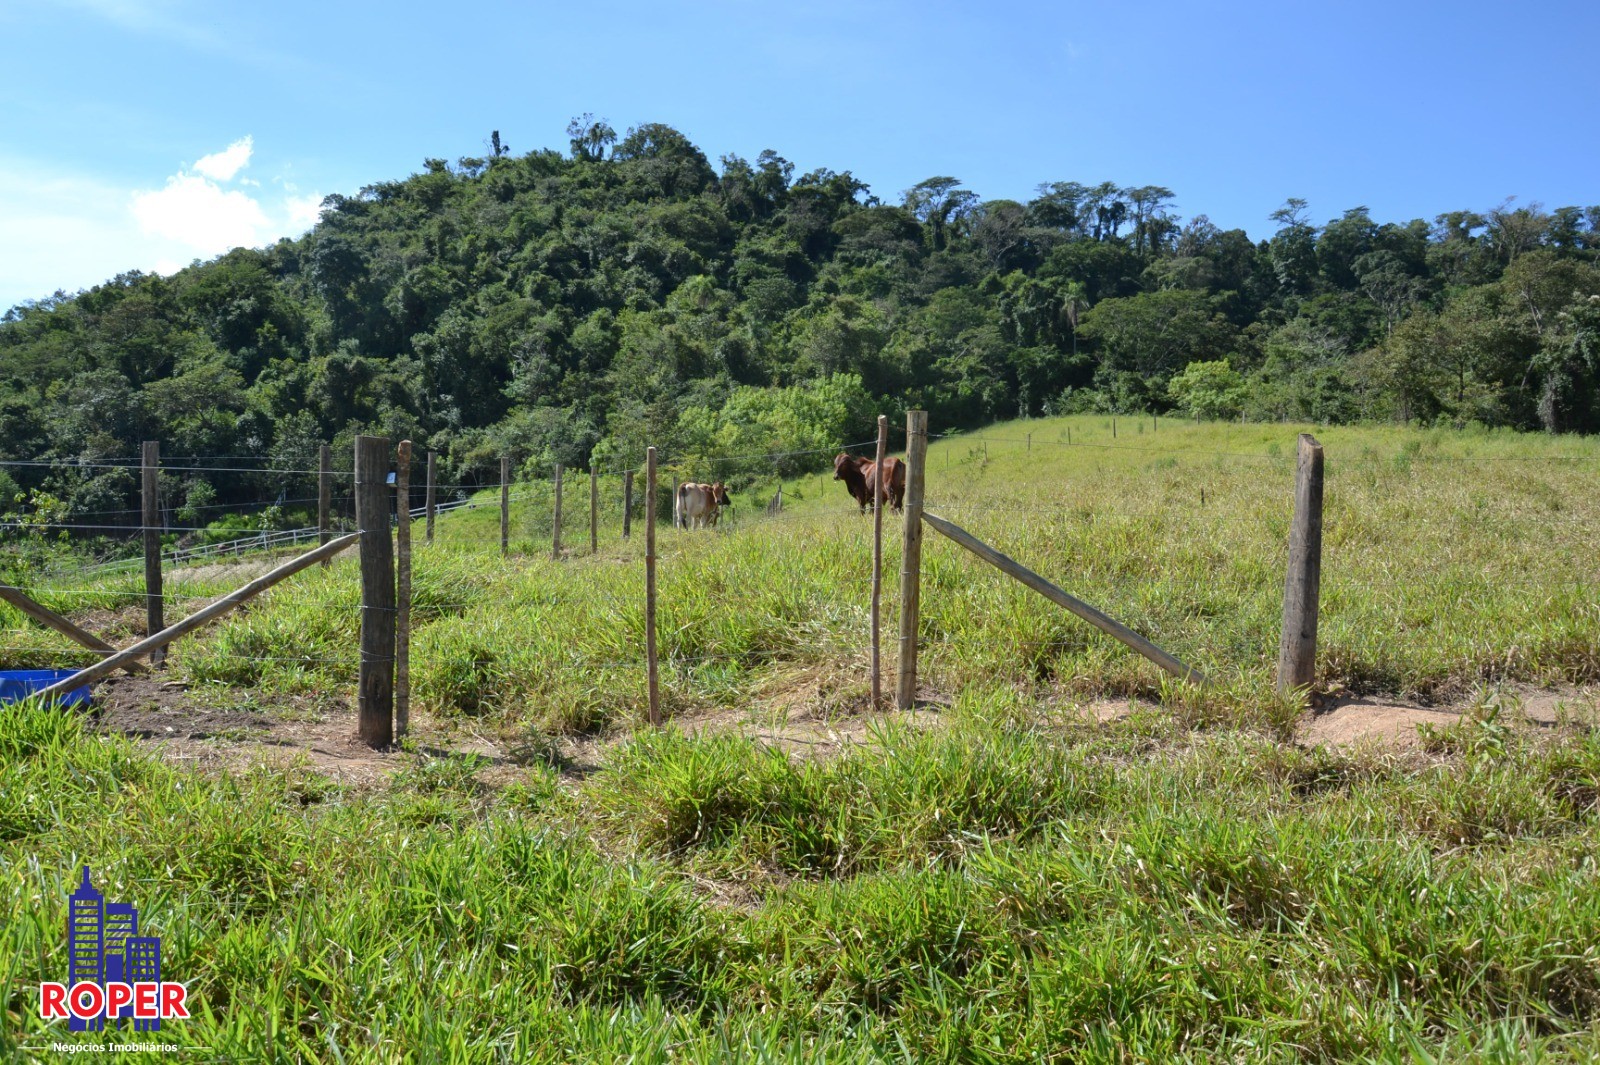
(569, 306)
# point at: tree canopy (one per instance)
(565, 304)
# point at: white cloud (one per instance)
(71, 231)
(304, 211)
(224, 165)
(201, 215)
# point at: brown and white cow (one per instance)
(698, 506)
(860, 479)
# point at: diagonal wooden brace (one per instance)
(51, 620)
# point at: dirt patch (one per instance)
(217, 729)
(1391, 723)
(811, 713)
(1357, 722)
(818, 711)
(228, 572)
(119, 626)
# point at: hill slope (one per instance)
(560, 306)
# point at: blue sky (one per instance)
(146, 133)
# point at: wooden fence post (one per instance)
(324, 495)
(650, 585)
(877, 561)
(375, 701)
(402, 614)
(1297, 650)
(151, 506)
(594, 508)
(505, 505)
(430, 497)
(627, 503)
(911, 559)
(555, 525)
(1113, 426)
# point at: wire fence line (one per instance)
(422, 604)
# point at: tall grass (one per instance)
(1013, 884)
(971, 894)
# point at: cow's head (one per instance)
(719, 495)
(842, 462)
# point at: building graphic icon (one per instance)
(104, 946)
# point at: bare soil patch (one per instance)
(1377, 720)
(809, 713)
(215, 729)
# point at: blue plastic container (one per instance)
(18, 684)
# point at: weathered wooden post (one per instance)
(877, 561)
(1302, 589)
(1113, 426)
(653, 675)
(150, 500)
(505, 505)
(911, 559)
(1030, 443)
(594, 508)
(627, 503)
(324, 496)
(430, 497)
(555, 525)
(375, 698)
(402, 616)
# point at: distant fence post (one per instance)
(1113, 425)
(1297, 650)
(375, 699)
(653, 674)
(555, 524)
(627, 503)
(878, 501)
(430, 498)
(911, 559)
(505, 505)
(151, 506)
(402, 616)
(594, 507)
(324, 496)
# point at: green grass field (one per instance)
(1015, 882)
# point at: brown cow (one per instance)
(847, 468)
(859, 476)
(894, 477)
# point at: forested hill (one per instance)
(626, 291)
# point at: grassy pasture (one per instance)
(1014, 884)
